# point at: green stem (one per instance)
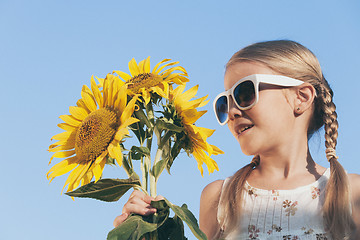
(126, 167)
(144, 181)
(153, 178)
(150, 113)
(165, 138)
(142, 117)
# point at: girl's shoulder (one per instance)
(212, 191)
(354, 180)
(209, 201)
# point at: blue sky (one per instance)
(49, 49)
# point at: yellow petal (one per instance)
(121, 133)
(120, 102)
(62, 136)
(89, 101)
(216, 150)
(129, 110)
(190, 116)
(62, 167)
(205, 131)
(62, 154)
(70, 120)
(81, 103)
(78, 113)
(67, 127)
(87, 177)
(134, 68)
(146, 95)
(177, 91)
(123, 75)
(76, 178)
(165, 65)
(62, 147)
(147, 65)
(101, 82)
(115, 152)
(157, 65)
(96, 92)
(141, 66)
(189, 94)
(98, 169)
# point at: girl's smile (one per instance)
(268, 124)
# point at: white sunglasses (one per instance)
(245, 93)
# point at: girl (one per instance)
(276, 97)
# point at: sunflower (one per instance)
(93, 131)
(196, 137)
(143, 81)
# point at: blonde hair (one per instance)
(291, 59)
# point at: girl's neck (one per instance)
(286, 169)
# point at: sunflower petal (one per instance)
(157, 65)
(190, 116)
(81, 103)
(98, 169)
(164, 66)
(121, 133)
(70, 120)
(63, 154)
(147, 65)
(96, 92)
(115, 152)
(78, 112)
(134, 68)
(62, 167)
(89, 101)
(62, 136)
(123, 75)
(66, 127)
(129, 110)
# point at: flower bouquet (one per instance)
(146, 103)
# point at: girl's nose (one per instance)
(234, 111)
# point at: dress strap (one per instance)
(220, 210)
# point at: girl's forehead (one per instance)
(239, 70)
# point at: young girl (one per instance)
(276, 97)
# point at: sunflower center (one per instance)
(143, 80)
(96, 132)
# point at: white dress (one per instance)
(282, 214)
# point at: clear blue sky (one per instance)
(49, 49)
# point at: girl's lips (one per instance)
(241, 129)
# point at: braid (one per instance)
(233, 192)
(337, 214)
(330, 121)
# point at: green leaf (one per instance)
(163, 123)
(143, 118)
(136, 226)
(173, 229)
(175, 150)
(133, 228)
(158, 168)
(137, 152)
(186, 215)
(109, 190)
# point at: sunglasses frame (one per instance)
(256, 79)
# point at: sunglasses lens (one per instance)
(221, 108)
(244, 94)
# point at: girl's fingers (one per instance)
(159, 197)
(120, 219)
(138, 203)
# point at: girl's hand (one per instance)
(138, 203)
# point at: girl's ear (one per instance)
(305, 94)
